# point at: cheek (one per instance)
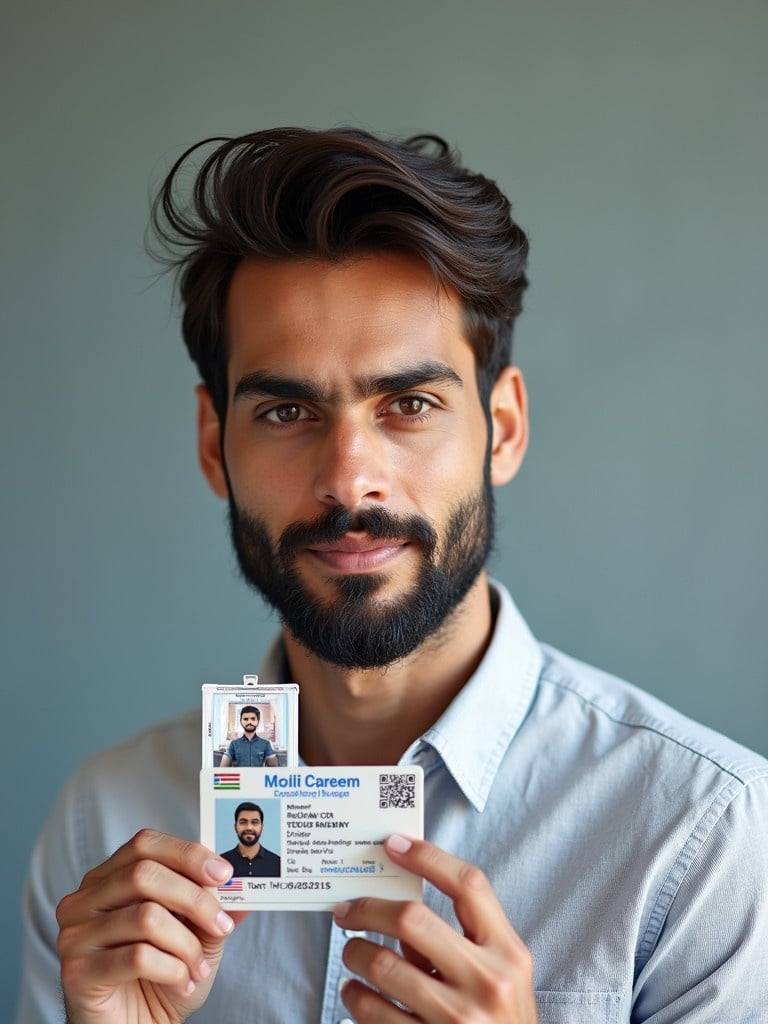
(267, 487)
(446, 460)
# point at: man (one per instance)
(249, 750)
(591, 855)
(249, 858)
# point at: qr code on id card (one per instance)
(397, 790)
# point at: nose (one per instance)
(353, 467)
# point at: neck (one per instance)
(372, 716)
(249, 852)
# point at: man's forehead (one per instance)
(270, 298)
(339, 331)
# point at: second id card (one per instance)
(250, 724)
(317, 833)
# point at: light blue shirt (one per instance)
(627, 844)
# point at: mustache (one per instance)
(378, 522)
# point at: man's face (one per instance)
(249, 723)
(248, 827)
(355, 452)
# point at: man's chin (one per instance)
(333, 591)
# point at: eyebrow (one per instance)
(366, 386)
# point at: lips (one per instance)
(357, 553)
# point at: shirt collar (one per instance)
(248, 860)
(475, 730)
(473, 733)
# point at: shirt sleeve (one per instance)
(149, 781)
(231, 752)
(55, 870)
(707, 961)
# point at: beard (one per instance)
(249, 839)
(357, 630)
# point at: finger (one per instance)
(479, 912)
(193, 860)
(109, 968)
(490, 986)
(368, 1007)
(143, 922)
(418, 929)
(147, 880)
(393, 977)
(414, 957)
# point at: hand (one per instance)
(141, 939)
(484, 975)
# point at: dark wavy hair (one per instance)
(293, 193)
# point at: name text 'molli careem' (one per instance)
(312, 781)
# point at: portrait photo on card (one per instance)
(248, 836)
(249, 728)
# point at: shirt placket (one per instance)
(333, 1009)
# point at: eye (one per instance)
(288, 413)
(411, 406)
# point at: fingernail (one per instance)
(399, 843)
(204, 968)
(341, 910)
(224, 922)
(218, 869)
(190, 988)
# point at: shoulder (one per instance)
(170, 741)
(168, 745)
(621, 711)
(586, 712)
(670, 816)
(150, 780)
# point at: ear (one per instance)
(209, 442)
(509, 418)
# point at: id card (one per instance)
(318, 832)
(250, 724)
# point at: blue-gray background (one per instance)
(632, 138)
